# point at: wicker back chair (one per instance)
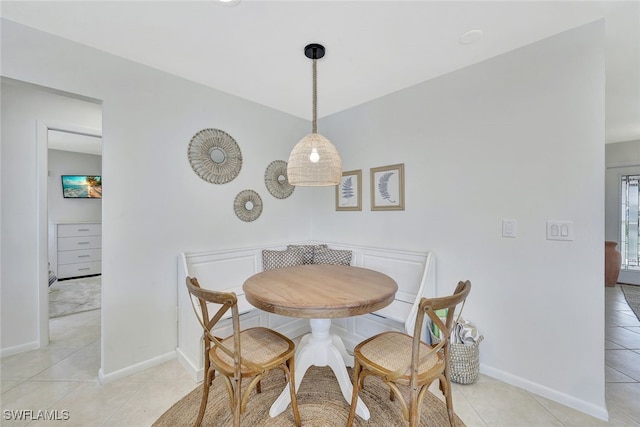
(401, 359)
(249, 353)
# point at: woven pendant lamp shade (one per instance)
(326, 171)
(314, 161)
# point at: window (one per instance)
(630, 230)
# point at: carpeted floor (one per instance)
(74, 296)
(632, 295)
(319, 399)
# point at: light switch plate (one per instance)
(509, 228)
(559, 230)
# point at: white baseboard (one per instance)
(10, 351)
(134, 369)
(546, 392)
(196, 373)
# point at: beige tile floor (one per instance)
(63, 376)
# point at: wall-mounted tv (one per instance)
(82, 186)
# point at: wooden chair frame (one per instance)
(409, 375)
(242, 367)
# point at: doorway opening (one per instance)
(63, 149)
(74, 212)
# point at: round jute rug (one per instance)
(320, 403)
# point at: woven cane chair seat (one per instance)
(390, 352)
(260, 346)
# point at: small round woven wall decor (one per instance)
(276, 180)
(248, 205)
(215, 156)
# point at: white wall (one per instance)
(22, 107)
(72, 210)
(156, 205)
(69, 210)
(519, 136)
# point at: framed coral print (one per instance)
(349, 191)
(387, 188)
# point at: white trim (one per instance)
(34, 345)
(622, 165)
(134, 369)
(42, 249)
(196, 373)
(546, 392)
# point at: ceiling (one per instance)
(255, 49)
(69, 141)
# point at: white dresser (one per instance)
(79, 249)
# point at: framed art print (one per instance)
(349, 191)
(387, 188)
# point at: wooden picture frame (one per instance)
(349, 191)
(387, 188)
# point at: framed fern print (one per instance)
(349, 191)
(387, 188)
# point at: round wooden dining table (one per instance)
(320, 293)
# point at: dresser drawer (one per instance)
(79, 229)
(75, 243)
(83, 255)
(79, 269)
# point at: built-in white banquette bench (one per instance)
(227, 270)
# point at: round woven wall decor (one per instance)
(247, 205)
(276, 180)
(215, 156)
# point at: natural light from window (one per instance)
(630, 230)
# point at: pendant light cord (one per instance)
(314, 123)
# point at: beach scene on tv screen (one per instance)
(82, 186)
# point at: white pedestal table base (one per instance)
(320, 348)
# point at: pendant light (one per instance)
(314, 161)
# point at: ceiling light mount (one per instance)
(314, 51)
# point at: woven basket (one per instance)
(464, 360)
